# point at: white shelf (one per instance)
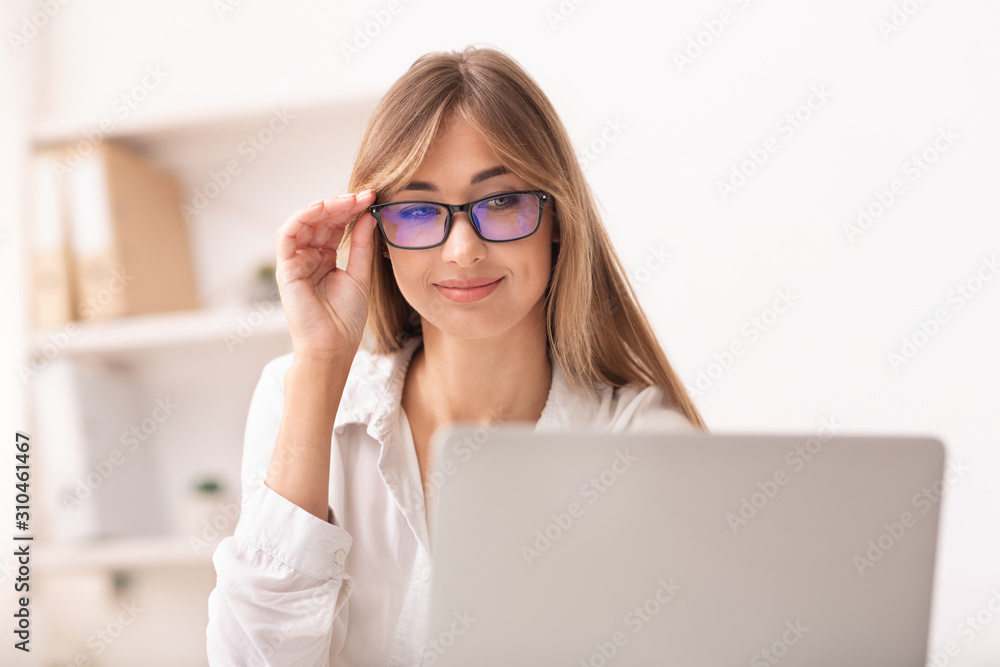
(123, 554)
(145, 332)
(220, 124)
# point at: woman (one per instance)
(513, 308)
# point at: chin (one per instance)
(474, 325)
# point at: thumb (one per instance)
(359, 259)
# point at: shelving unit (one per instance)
(149, 332)
(207, 360)
(121, 554)
(224, 344)
(230, 240)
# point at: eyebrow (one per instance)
(478, 178)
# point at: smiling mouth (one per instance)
(469, 294)
(471, 284)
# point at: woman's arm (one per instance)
(281, 586)
(326, 309)
(300, 466)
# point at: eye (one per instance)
(503, 201)
(418, 211)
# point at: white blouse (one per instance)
(293, 589)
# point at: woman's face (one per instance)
(448, 174)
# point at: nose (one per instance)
(463, 245)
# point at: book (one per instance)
(131, 247)
(97, 479)
(52, 292)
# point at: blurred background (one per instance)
(804, 194)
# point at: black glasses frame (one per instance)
(542, 195)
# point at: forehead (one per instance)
(456, 134)
(457, 148)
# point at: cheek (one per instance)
(407, 274)
(533, 271)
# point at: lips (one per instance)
(467, 284)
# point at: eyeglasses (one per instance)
(417, 225)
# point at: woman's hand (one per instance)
(326, 307)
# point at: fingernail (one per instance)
(315, 203)
(367, 192)
(347, 196)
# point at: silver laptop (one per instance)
(591, 550)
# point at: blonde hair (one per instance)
(597, 332)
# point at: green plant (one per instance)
(208, 486)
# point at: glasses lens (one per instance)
(507, 217)
(414, 225)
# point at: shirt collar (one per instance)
(374, 389)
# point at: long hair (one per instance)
(597, 332)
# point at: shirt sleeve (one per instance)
(281, 585)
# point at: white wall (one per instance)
(683, 130)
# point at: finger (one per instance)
(359, 261)
(327, 230)
(334, 239)
(326, 262)
(291, 234)
(288, 233)
(326, 233)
